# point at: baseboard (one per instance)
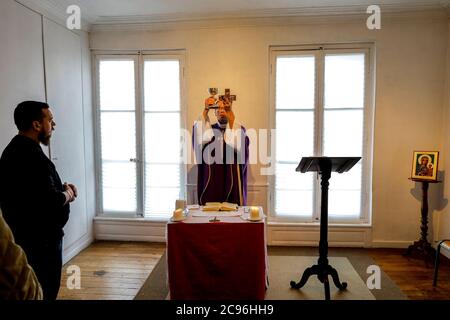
(129, 230)
(300, 235)
(77, 247)
(155, 231)
(337, 244)
(391, 244)
(129, 237)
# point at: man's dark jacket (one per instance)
(31, 195)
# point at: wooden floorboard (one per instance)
(412, 275)
(111, 270)
(116, 271)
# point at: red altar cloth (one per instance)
(216, 260)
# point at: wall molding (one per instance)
(269, 12)
(272, 17)
(56, 11)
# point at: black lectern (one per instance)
(324, 166)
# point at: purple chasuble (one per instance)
(222, 171)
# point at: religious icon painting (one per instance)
(425, 165)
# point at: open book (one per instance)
(220, 206)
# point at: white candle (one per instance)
(178, 214)
(254, 213)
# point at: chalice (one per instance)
(213, 92)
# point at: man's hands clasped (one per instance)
(70, 192)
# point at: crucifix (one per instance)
(227, 99)
(228, 96)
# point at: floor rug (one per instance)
(351, 263)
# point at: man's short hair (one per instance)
(28, 111)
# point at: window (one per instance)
(321, 107)
(138, 157)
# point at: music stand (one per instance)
(324, 166)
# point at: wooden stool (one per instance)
(443, 244)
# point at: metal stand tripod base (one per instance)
(324, 166)
(322, 272)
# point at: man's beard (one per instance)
(44, 139)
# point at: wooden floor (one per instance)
(412, 276)
(112, 270)
(117, 270)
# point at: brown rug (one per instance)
(283, 269)
(353, 270)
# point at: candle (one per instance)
(254, 213)
(178, 214)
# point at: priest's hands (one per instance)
(231, 117)
(208, 103)
(222, 104)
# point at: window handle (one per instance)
(135, 160)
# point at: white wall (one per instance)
(443, 218)
(410, 53)
(25, 35)
(63, 65)
(21, 63)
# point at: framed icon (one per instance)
(425, 165)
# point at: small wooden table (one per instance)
(422, 247)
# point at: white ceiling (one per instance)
(109, 11)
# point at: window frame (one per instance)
(139, 58)
(319, 51)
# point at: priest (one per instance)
(221, 151)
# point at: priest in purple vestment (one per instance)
(221, 151)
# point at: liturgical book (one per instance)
(220, 206)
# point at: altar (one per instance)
(217, 258)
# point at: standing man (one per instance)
(34, 201)
(221, 151)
